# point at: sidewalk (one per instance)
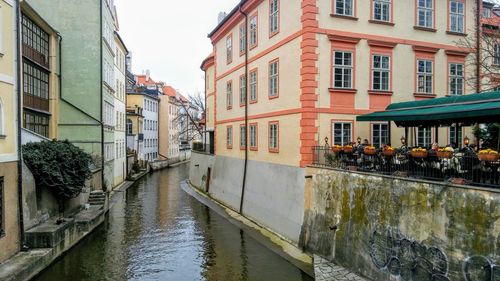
(327, 271)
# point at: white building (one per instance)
(120, 159)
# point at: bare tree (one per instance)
(188, 119)
(483, 44)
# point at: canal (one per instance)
(155, 231)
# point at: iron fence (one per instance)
(462, 168)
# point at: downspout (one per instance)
(246, 109)
(19, 128)
(478, 45)
(102, 96)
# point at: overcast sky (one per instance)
(169, 37)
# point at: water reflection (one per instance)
(155, 231)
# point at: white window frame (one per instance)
(345, 67)
(457, 16)
(243, 40)
(425, 76)
(344, 7)
(383, 67)
(451, 135)
(425, 14)
(253, 86)
(229, 94)
(456, 76)
(426, 134)
(274, 16)
(496, 54)
(274, 136)
(253, 135)
(253, 33)
(382, 10)
(274, 79)
(229, 49)
(243, 88)
(382, 139)
(229, 136)
(243, 136)
(344, 140)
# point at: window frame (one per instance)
(342, 123)
(460, 135)
(229, 49)
(277, 137)
(253, 32)
(382, 70)
(271, 78)
(254, 140)
(428, 132)
(2, 207)
(353, 8)
(380, 136)
(2, 119)
(242, 89)
(243, 137)
(454, 16)
(382, 2)
(343, 67)
(242, 39)
(229, 136)
(451, 77)
(229, 94)
(425, 75)
(254, 85)
(496, 54)
(272, 15)
(432, 17)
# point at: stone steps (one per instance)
(97, 198)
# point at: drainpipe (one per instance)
(246, 109)
(478, 45)
(102, 102)
(19, 129)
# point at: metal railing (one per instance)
(462, 168)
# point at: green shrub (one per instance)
(58, 166)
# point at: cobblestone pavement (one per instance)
(327, 271)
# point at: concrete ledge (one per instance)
(264, 236)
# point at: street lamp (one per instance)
(466, 141)
(403, 140)
(359, 140)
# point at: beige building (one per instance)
(168, 133)
(313, 67)
(9, 209)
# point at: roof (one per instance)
(169, 91)
(232, 13)
(183, 98)
(208, 61)
(141, 80)
(467, 109)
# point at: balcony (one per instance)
(35, 56)
(464, 167)
(35, 102)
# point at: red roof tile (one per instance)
(169, 91)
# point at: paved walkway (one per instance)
(327, 271)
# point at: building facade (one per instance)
(168, 130)
(342, 58)
(120, 162)
(9, 105)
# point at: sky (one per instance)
(169, 37)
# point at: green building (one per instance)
(86, 110)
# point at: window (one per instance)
(36, 122)
(229, 136)
(36, 41)
(496, 54)
(108, 151)
(1, 119)
(425, 13)
(243, 90)
(274, 136)
(253, 136)
(424, 76)
(229, 94)
(253, 86)
(452, 133)
(486, 13)
(273, 17)
(424, 137)
(2, 204)
(380, 134)
(382, 10)
(35, 82)
(380, 73)
(243, 136)
(253, 31)
(342, 133)
(344, 7)
(342, 69)
(229, 49)
(243, 40)
(457, 16)
(456, 79)
(274, 79)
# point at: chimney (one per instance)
(148, 74)
(128, 62)
(221, 17)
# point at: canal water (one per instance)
(155, 231)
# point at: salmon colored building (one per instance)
(308, 68)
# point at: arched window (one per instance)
(129, 126)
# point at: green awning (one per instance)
(467, 109)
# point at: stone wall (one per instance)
(274, 194)
(400, 229)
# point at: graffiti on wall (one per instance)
(480, 268)
(408, 259)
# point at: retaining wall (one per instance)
(389, 228)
